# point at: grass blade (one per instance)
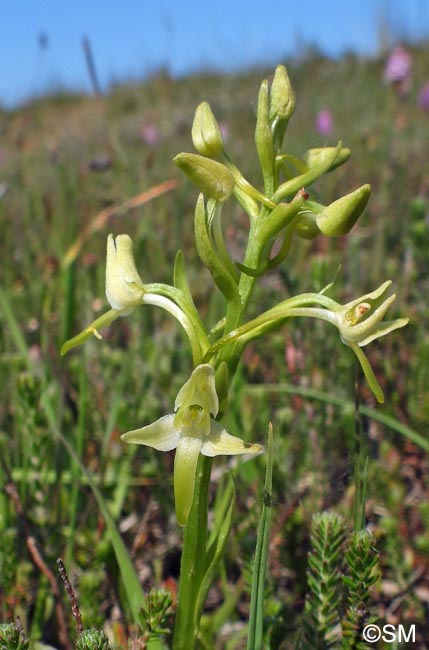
(391, 422)
(256, 627)
(216, 546)
(14, 328)
(133, 589)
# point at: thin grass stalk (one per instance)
(14, 328)
(375, 414)
(133, 589)
(75, 471)
(360, 464)
(256, 624)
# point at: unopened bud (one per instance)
(282, 96)
(307, 227)
(339, 218)
(263, 136)
(314, 157)
(206, 135)
(214, 179)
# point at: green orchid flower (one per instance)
(124, 287)
(125, 291)
(359, 322)
(191, 430)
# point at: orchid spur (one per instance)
(191, 430)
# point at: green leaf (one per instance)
(179, 276)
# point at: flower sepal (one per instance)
(314, 157)
(212, 177)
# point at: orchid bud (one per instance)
(263, 136)
(282, 96)
(306, 227)
(124, 287)
(339, 217)
(214, 179)
(314, 157)
(206, 135)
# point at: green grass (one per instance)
(53, 193)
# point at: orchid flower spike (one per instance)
(191, 430)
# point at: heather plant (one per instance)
(284, 209)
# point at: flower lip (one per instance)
(124, 287)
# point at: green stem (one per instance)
(193, 561)
(360, 464)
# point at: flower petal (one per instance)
(160, 435)
(199, 390)
(185, 467)
(220, 442)
(383, 329)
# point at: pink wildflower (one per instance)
(149, 133)
(324, 122)
(398, 69)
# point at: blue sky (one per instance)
(132, 38)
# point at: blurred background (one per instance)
(41, 44)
